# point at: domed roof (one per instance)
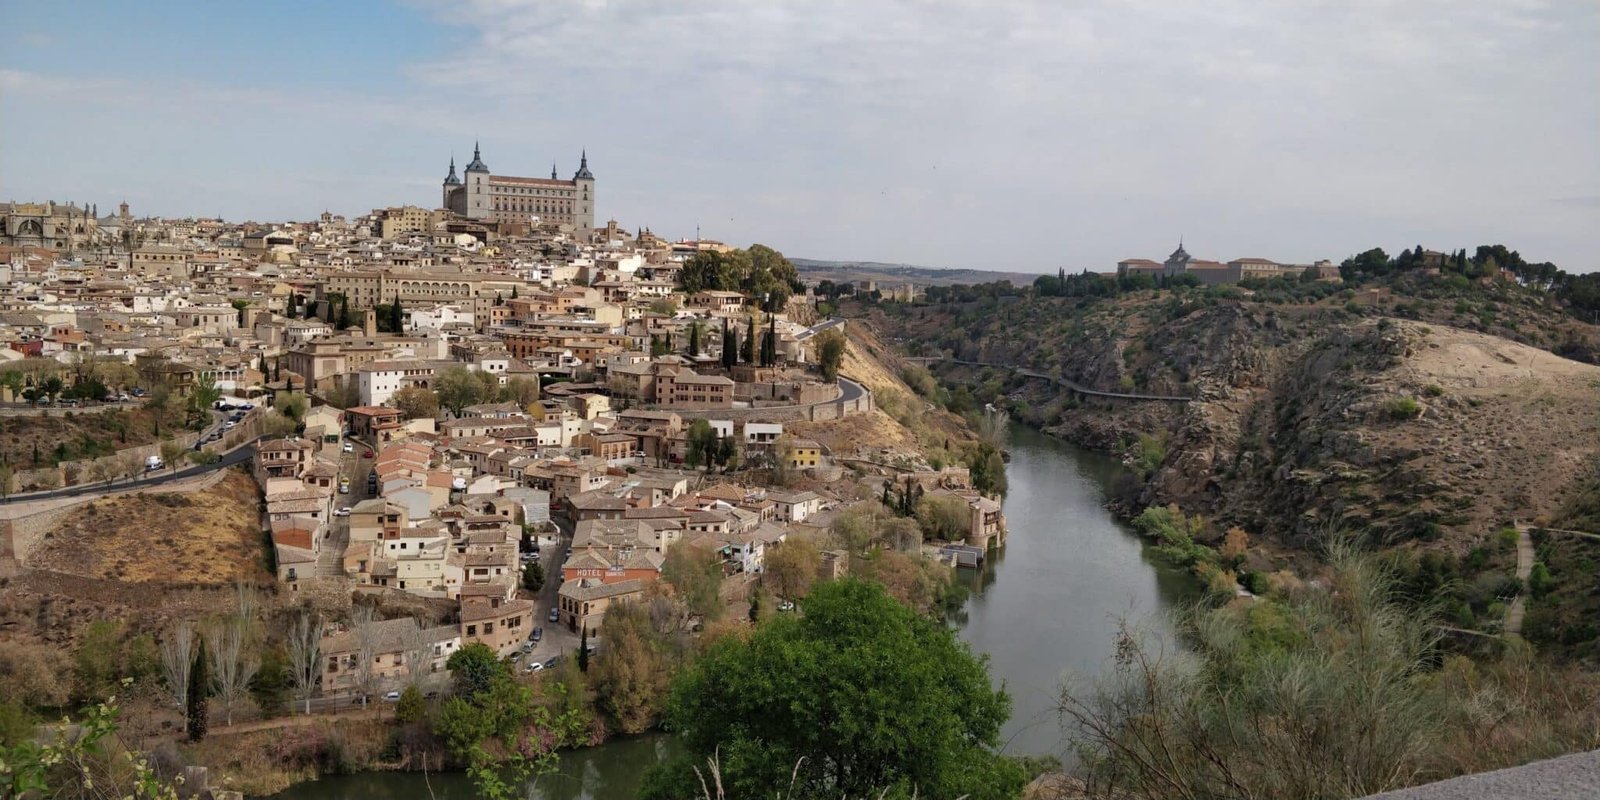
(477, 164)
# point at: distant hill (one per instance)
(839, 271)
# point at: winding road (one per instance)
(238, 455)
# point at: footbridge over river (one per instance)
(1056, 379)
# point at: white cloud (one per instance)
(920, 131)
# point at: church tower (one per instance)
(452, 184)
(477, 172)
(583, 201)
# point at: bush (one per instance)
(1403, 408)
(411, 707)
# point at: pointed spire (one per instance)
(583, 168)
(552, 170)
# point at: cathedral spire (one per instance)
(552, 170)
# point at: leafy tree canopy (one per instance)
(856, 696)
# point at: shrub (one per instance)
(1433, 390)
(1403, 408)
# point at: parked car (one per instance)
(348, 447)
(229, 425)
(551, 664)
(787, 605)
(391, 697)
(528, 645)
(538, 633)
(555, 615)
(343, 511)
(534, 666)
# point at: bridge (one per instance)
(1072, 386)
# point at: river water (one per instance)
(1044, 609)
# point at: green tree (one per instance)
(633, 673)
(987, 469)
(943, 517)
(702, 444)
(13, 382)
(202, 396)
(730, 346)
(830, 352)
(473, 668)
(397, 317)
(856, 697)
(583, 651)
(293, 405)
(411, 707)
(533, 576)
(747, 348)
(195, 716)
(791, 567)
(695, 574)
(458, 388)
(416, 402)
(694, 340)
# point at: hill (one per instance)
(1425, 420)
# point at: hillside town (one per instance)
(518, 419)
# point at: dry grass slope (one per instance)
(210, 537)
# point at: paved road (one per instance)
(849, 390)
(1573, 776)
(238, 456)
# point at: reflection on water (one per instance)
(611, 772)
(1047, 605)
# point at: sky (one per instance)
(988, 134)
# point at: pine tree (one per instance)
(199, 686)
(583, 651)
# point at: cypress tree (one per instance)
(730, 346)
(396, 317)
(583, 651)
(748, 354)
(198, 686)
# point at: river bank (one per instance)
(1043, 610)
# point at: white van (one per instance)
(153, 463)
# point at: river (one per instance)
(1047, 606)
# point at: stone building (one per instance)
(480, 195)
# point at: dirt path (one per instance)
(1519, 606)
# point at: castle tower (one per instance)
(477, 187)
(583, 202)
(452, 184)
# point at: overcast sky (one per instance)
(1000, 135)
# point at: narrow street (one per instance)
(353, 466)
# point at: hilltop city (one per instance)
(494, 404)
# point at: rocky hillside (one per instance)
(1307, 415)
